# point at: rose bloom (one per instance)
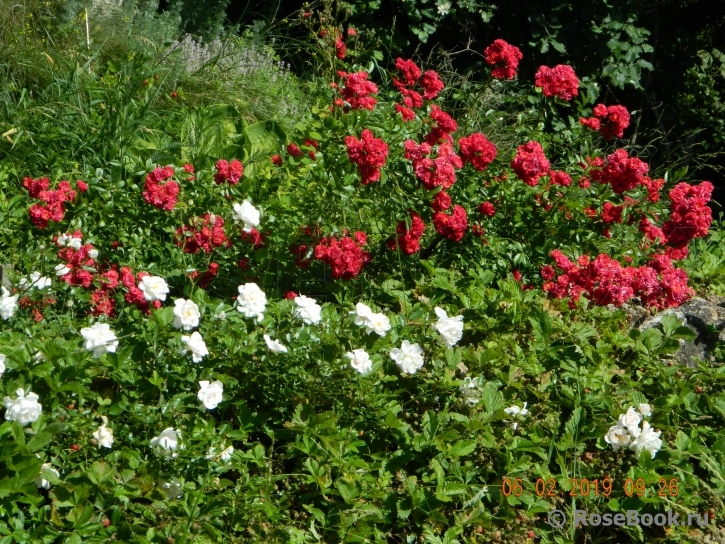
(104, 435)
(378, 323)
(251, 301)
(450, 328)
(167, 442)
(195, 344)
(186, 314)
(274, 345)
(172, 489)
(308, 310)
(362, 312)
(408, 358)
(99, 338)
(360, 360)
(210, 393)
(617, 436)
(42, 483)
(153, 288)
(645, 410)
(247, 214)
(24, 409)
(36, 280)
(61, 270)
(2, 364)
(7, 304)
(631, 421)
(648, 439)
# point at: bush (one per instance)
(283, 349)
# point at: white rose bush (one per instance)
(355, 329)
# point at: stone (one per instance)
(706, 319)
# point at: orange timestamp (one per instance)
(584, 487)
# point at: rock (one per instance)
(705, 318)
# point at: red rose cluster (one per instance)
(441, 201)
(445, 125)
(254, 237)
(357, 91)
(410, 76)
(453, 226)
(161, 196)
(604, 281)
(560, 81)
(530, 163)
(505, 57)
(52, 208)
(206, 278)
(621, 172)
(477, 150)
(368, 153)
(487, 209)
(75, 259)
(408, 240)
(558, 177)
(433, 172)
(345, 256)
(615, 119)
(203, 233)
(690, 217)
(228, 172)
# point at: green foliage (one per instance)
(320, 452)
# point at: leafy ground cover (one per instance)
(375, 314)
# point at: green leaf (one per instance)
(462, 448)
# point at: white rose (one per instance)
(274, 345)
(308, 310)
(631, 421)
(648, 439)
(645, 409)
(104, 436)
(210, 393)
(186, 314)
(248, 214)
(450, 328)
(378, 323)
(408, 358)
(251, 301)
(36, 280)
(153, 288)
(62, 240)
(75, 243)
(41, 482)
(61, 269)
(195, 344)
(99, 338)
(360, 360)
(93, 253)
(7, 304)
(617, 436)
(2, 364)
(24, 409)
(362, 313)
(167, 442)
(172, 489)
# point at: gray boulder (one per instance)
(706, 319)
